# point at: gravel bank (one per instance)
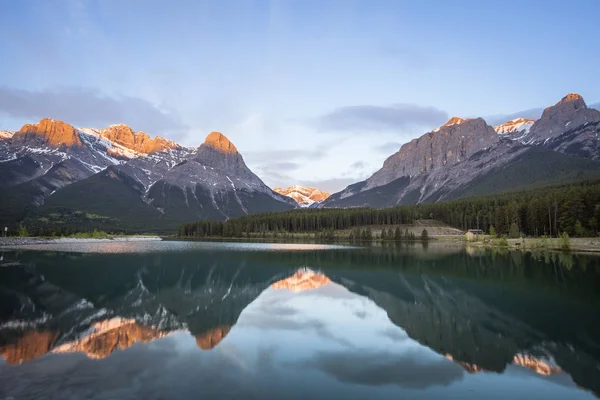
(25, 241)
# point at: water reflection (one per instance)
(422, 322)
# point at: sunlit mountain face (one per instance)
(376, 322)
(301, 280)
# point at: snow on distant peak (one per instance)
(521, 125)
(304, 196)
(6, 135)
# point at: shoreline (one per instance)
(23, 242)
(589, 245)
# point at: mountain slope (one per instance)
(158, 193)
(171, 183)
(534, 168)
(467, 157)
(450, 144)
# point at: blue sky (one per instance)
(311, 92)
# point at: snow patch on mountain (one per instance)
(6, 135)
(303, 195)
(517, 125)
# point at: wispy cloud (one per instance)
(85, 107)
(285, 166)
(377, 369)
(388, 147)
(332, 185)
(274, 156)
(532, 113)
(358, 165)
(381, 118)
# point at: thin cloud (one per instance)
(285, 166)
(284, 155)
(377, 369)
(358, 165)
(532, 113)
(388, 147)
(381, 118)
(330, 185)
(86, 107)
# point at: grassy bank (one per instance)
(587, 244)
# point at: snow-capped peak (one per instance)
(515, 125)
(304, 196)
(6, 135)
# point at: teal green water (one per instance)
(162, 320)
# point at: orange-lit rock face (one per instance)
(303, 279)
(470, 368)
(454, 121)
(137, 141)
(52, 132)
(303, 194)
(218, 141)
(31, 345)
(539, 366)
(213, 337)
(572, 97)
(111, 335)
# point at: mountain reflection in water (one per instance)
(423, 322)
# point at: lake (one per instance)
(164, 320)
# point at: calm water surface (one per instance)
(163, 320)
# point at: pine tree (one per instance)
(424, 235)
(513, 232)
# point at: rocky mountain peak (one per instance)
(50, 132)
(452, 121)
(303, 279)
(572, 97)
(218, 141)
(303, 195)
(5, 135)
(571, 102)
(569, 113)
(431, 151)
(137, 141)
(208, 340)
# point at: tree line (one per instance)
(571, 208)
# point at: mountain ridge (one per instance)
(428, 169)
(165, 182)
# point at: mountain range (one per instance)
(467, 157)
(125, 179)
(54, 174)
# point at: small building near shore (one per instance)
(473, 233)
